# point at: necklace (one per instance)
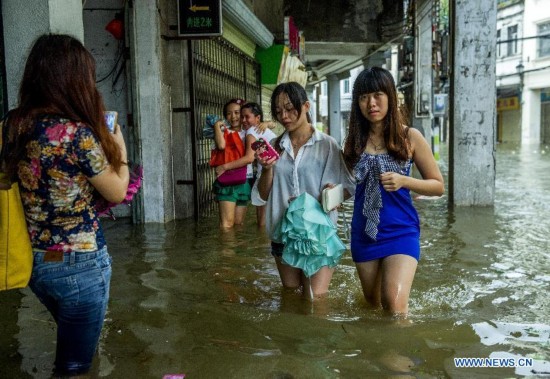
(377, 147)
(298, 143)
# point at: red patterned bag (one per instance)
(234, 149)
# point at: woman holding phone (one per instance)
(59, 150)
(309, 161)
(233, 199)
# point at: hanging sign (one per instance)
(440, 104)
(507, 103)
(199, 18)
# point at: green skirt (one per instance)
(237, 193)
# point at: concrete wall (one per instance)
(176, 75)
(151, 111)
(110, 66)
(473, 103)
(423, 70)
(24, 23)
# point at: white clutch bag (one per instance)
(332, 197)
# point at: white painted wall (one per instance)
(537, 69)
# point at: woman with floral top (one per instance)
(59, 150)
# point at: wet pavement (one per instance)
(187, 298)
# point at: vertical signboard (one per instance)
(440, 104)
(199, 18)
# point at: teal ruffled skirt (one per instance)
(309, 236)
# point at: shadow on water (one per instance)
(187, 298)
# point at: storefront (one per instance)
(508, 119)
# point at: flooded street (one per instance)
(187, 298)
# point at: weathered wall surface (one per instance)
(473, 104)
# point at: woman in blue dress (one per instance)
(385, 230)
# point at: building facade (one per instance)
(523, 72)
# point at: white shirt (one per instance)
(319, 162)
(267, 135)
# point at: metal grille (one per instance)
(220, 72)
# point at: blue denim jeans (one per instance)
(75, 289)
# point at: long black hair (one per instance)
(375, 79)
(296, 95)
(255, 109)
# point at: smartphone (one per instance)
(111, 120)
(264, 149)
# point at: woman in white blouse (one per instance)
(309, 161)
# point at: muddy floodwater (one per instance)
(189, 299)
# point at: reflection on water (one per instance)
(187, 298)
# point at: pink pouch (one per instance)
(233, 177)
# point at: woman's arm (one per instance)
(111, 184)
(265, 183)
(219, 140)
(264, 125)
(431, 183)
(242, 161)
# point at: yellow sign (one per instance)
(195, 8)
(507, 103)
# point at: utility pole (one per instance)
(473, 103)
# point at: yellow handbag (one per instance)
(15, 246)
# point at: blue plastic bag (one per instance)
(208, 128)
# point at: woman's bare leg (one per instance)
(240, 214)
(227, 214)
(260, 215)
(397, 278)
(318, 284)
(291, 277)
(370, 277)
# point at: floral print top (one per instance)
(57, 197)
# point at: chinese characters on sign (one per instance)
(199, 18)
(507, 103)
